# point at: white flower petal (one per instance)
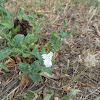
(47, 59)
(47, 63)
(47, 56)
(50, 55)
(44, 56)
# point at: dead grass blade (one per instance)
(53, 76)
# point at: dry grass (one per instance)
(81, 49)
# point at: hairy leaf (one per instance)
(17, 40)
(49, 94)
(47, 69)
(29, 38)
(7, 23)
(4, 66)
(5, 52)
(24, 67)
(35, 76)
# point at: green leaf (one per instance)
(30, 94)
(4, 66)
(48, 46)
(47, 97)
(35, 66)
(17, 40)
(33, 46)
(0, 47)
(29, 38)
(20, 12)
(53, 60)
(17, 29)
(24, 46)
(25, 55)
(35, 76)
(43, 49)
(2, 1)
(72, 93)
(35, 39)
(50, 93)
(3, 12)
(64, 22)
(35, 49)
(56, 48)
(36, 96)
(53, 40)
(47, 69)
(25, 17)
(25, 96)
(64, 35)
(59, 42)
(33, 16)
(7, 23)
(17, 50)
(38, 55)
(37, 26)
(24, 67)
(5, 52)
(9, 35)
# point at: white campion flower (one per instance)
(47, 59)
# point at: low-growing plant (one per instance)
(29, 95)
(50, 93)
(26, 46)
(71, 93)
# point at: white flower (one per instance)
(47, 59)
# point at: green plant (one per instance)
(30, 95)
(71, 93)
(50, 93)
(26, 46)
